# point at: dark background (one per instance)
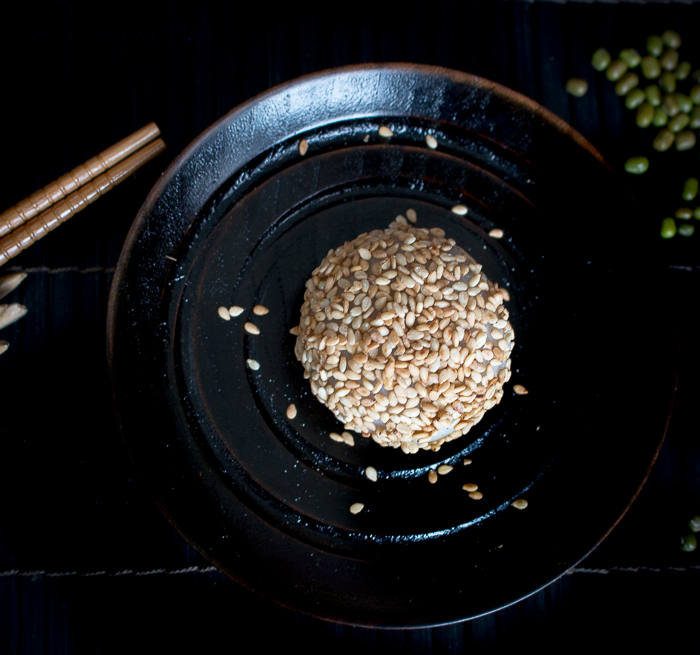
(87, 562)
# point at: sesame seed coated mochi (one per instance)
(403, 338)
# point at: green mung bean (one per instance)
(685, 140)
(634, 98)
(667, 82)
(678, 123)
(645, 114)
(690, 189)
(655, 46)
(637, 165)
(600, 60)
(694, 524)
(669, 60)
(686, 230)
(576, 87)
(668, 228)
(626, 83)
(653, 95)
(683, 70)
(660, 117)
(685, 104)
(696, 213)
(695, 118)
(616, 70)
(651, 68)
(689, 543)
(671, 39)
(670, 105)
(695, 94)
(684, 213)
(631, 57)
(664, 140)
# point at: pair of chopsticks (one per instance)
(45, 210)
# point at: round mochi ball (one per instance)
(404, 338)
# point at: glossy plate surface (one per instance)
(242, 218)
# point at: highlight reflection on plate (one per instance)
(247, 218)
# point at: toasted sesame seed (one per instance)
(496, 233)
(356, 508)
(385, 132)
(371, 473)
(303, 147)
(291, 411)
(520, 389)
(476, 495)
(296, 331)
(470, 487)
(348, 438)
(223, 312)
(521, 503)
(444, 469)
(252, 364)
(235, 311)
(251, 328)
(467, 462)
(460, 210)
(411, 215)
(336, 437)
(432, 476)
(260, 310)
(431, 141)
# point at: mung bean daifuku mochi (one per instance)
(404, 338)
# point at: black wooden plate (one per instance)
(241, 218)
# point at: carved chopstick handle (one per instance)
(12, 218)
(25, 235)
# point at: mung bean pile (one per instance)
(664, 93)
(403, 338)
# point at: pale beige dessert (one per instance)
(403, 338)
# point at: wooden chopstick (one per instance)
(66, 184)
(25, 235)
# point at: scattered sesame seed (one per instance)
(366, 139)
(521, 503)
(432, 476)
(172, 259)
(411, 215)
(303, 147)
(291, 411)
(223, 312)
(460, 210)
(431, 141)
(444, 469)
(356, 508)
(467, 462)
(496, 233)
(476, 495)
(470, 487)
(252, 364)
(371, 473)
(385, 132)
(520, 390)
(348, 438)
(336, 437)
(295, 331)
(251, 328)
(235, 311)
(260, 310)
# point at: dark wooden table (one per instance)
(87, 561)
